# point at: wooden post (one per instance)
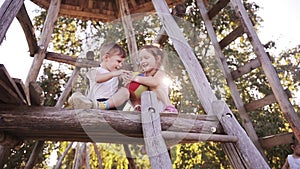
(129, 32)
(198, 78)
(252, 156)
(58, 164)
(43, 44)
(221, 59)
(4, 154)
(8, 12)
(154, 142)
(287, 108)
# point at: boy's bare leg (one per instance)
(119, 98)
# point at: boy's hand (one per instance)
(120, 72)
(127, 77)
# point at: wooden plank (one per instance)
(79, 62)
(7, 95)
(196, 137)
(231, 36)
(36, 94)
(271, 74)
(155, 144)
(20, 86)
(217, 8)
(222, 61)
(275, 140)
(187, 56)
(129, 33)
(253, 157)
(8, 11)
(50, 123)
(43, 44)
(4, 154)
(10, 86)
(267, 100)
(246, 68)
(28, 29)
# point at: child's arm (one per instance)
(103, 77)
(286, 164)
(151, 81)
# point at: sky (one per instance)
(280, 24)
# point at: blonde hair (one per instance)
(155, 51)
(112, 48)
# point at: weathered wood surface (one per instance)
(217, 8)
(198, 78)
(10, 93)
(267, 100)
(237, 32)
(101, 10)
(8, 11)
(220, 57)
(4, 154)
(154, 142)
(275, 140)
(28, 29)
(287, 108)
(36, 94)
(129, 33)
(43, 44)
(49, 123)
(253, 158)
(75, 61)
(246, 68)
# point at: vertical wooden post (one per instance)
(8, 12)
(4, 154)
(129, 32)
(283, 100)
(43, 44)
(246, 121)
(253, 158)
(155, 144)
(198, 78)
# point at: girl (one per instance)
(151, 58)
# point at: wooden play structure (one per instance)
(23, 118)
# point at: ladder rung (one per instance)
(217, 8)
(231, 37)
(196, 137)
(249, 66)
(256, 104)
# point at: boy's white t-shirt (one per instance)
(294, 163)
(101, 90)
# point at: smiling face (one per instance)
(112, 62)
(149, 62)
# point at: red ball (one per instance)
(136, 89)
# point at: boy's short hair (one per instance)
(294, 141)
(112, 48)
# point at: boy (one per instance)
(293, 160)
(104, 92)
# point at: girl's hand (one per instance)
(120, 72)
(127, 78)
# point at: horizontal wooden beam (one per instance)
(231, 36)
(249, 66)
(217, 8)
(54, 124)
(267, 100)
(275, 140)
(75, 61)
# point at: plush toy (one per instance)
(136, 89)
